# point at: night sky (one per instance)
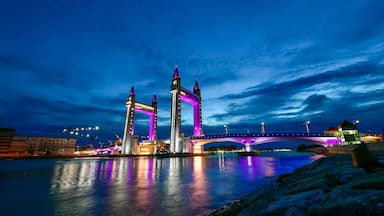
(71, 63)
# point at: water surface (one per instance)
(134, 186)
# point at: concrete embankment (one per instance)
(328, 186)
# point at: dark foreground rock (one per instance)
(328, 186)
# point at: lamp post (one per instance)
(307, 126)
(226, 129)
(262, 128)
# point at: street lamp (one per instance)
(307, 126)
(226, 129)
(262, 128)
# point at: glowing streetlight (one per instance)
(307, 126)
(262, 128)
(226, 129)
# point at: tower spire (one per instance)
(132, 92)
(154, 99)
(196, 87)
(176, 73)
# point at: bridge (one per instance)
(260, 138)
(194, 143)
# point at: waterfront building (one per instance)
(51, 145)
(18, 146)
(332, 131)
(349, 133)
(371, 138)
(6, 136)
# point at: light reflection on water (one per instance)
(134, 186)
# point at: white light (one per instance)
(97, 128)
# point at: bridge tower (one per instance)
(194, 98)
(128, 146)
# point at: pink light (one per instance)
(188, 100)
(176, 73)
(151, 122)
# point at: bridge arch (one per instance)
(128, 146)
(192, 97)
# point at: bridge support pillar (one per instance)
(198, 149)
(247, 147)
(128, 138)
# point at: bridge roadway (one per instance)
(260, 138)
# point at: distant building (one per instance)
(371, 138)
(50, 145)
(6, 136)
(349, 133)
(332, 131)
(18, 147)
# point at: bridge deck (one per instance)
(260, 135)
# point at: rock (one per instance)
(349, 202)
(293, 211)
(341, 207)
(381, 162)
(232, 209)
(308, 185)
(301, 201)
(370, 181)
(259, 200)
(324, 181)
(362, 158)
(348, 174)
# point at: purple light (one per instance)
(188, 100)
(196, 114)
(154, 99)
(151, 122)
(176, 73)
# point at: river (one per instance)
(135, 186)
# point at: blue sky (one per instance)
(70, 63)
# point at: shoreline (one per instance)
(326, 186)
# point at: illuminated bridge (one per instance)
(197, 142)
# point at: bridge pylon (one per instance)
(194, 98)
(128, 146)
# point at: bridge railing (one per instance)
(260, 135)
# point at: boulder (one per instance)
(293, 211)
(351, 173)
(370, 181)
(349, 202)
(362, 158)
(300, 200)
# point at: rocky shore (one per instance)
(334, 185)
